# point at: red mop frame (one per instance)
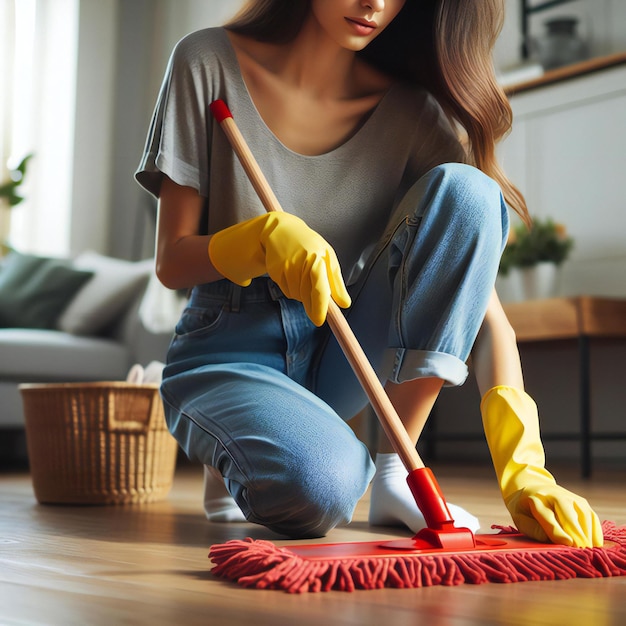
(260, 564)
(438, 554)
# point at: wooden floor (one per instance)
(148, 565)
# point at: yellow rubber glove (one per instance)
(298, 259)
(540, 508)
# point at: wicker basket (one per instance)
(98, 443)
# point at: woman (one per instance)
(348, 106)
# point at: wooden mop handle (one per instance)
(389, 419)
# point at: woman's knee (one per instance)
(472, 200)
(455, 215)
(311, 496)
(289, 461)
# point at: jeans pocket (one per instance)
(195, 321)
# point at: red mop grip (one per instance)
(441, 531)
(429, 498)
(219, 110)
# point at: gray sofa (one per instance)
(98, 336)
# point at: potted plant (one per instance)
(9, 197)
(533, 256)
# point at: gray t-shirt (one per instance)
(347, 194)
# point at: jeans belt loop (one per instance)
(235, 298)
(274, 290)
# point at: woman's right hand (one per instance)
(299, 260)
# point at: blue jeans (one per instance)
(254, 389)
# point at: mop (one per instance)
(441, 553)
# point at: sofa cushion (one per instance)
(12, 414)
(34, 290)
(106, 296)
(51, 355)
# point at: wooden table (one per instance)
(581, 318)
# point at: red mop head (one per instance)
(504, 558)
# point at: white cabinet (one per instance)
(567, 153)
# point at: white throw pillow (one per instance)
(106, 296)
(160, 307)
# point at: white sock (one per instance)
(219, 505)
(393, 504)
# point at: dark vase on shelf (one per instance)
(561, 44)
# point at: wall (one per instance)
(96, 82)
(123, 51)
(566, 153)
(147, 32)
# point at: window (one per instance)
(38, 54)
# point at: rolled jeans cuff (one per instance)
(402, 364)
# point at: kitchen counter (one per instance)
(567, 72)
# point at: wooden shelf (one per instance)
(567, 72)
(567, 318)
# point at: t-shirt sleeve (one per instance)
(432, 140)
(437, 141)
(179, 134)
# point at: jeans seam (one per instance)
(411, 222)
(383, 244)
(216, 436)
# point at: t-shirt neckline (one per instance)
(355, 137)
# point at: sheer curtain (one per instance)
(7, 46)
(38, 57)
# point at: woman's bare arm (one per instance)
(495, 355)
(182, 258)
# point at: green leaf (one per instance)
(8, 189)
(23, 163)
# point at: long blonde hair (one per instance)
(446, 46)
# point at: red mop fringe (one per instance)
(262, 565)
